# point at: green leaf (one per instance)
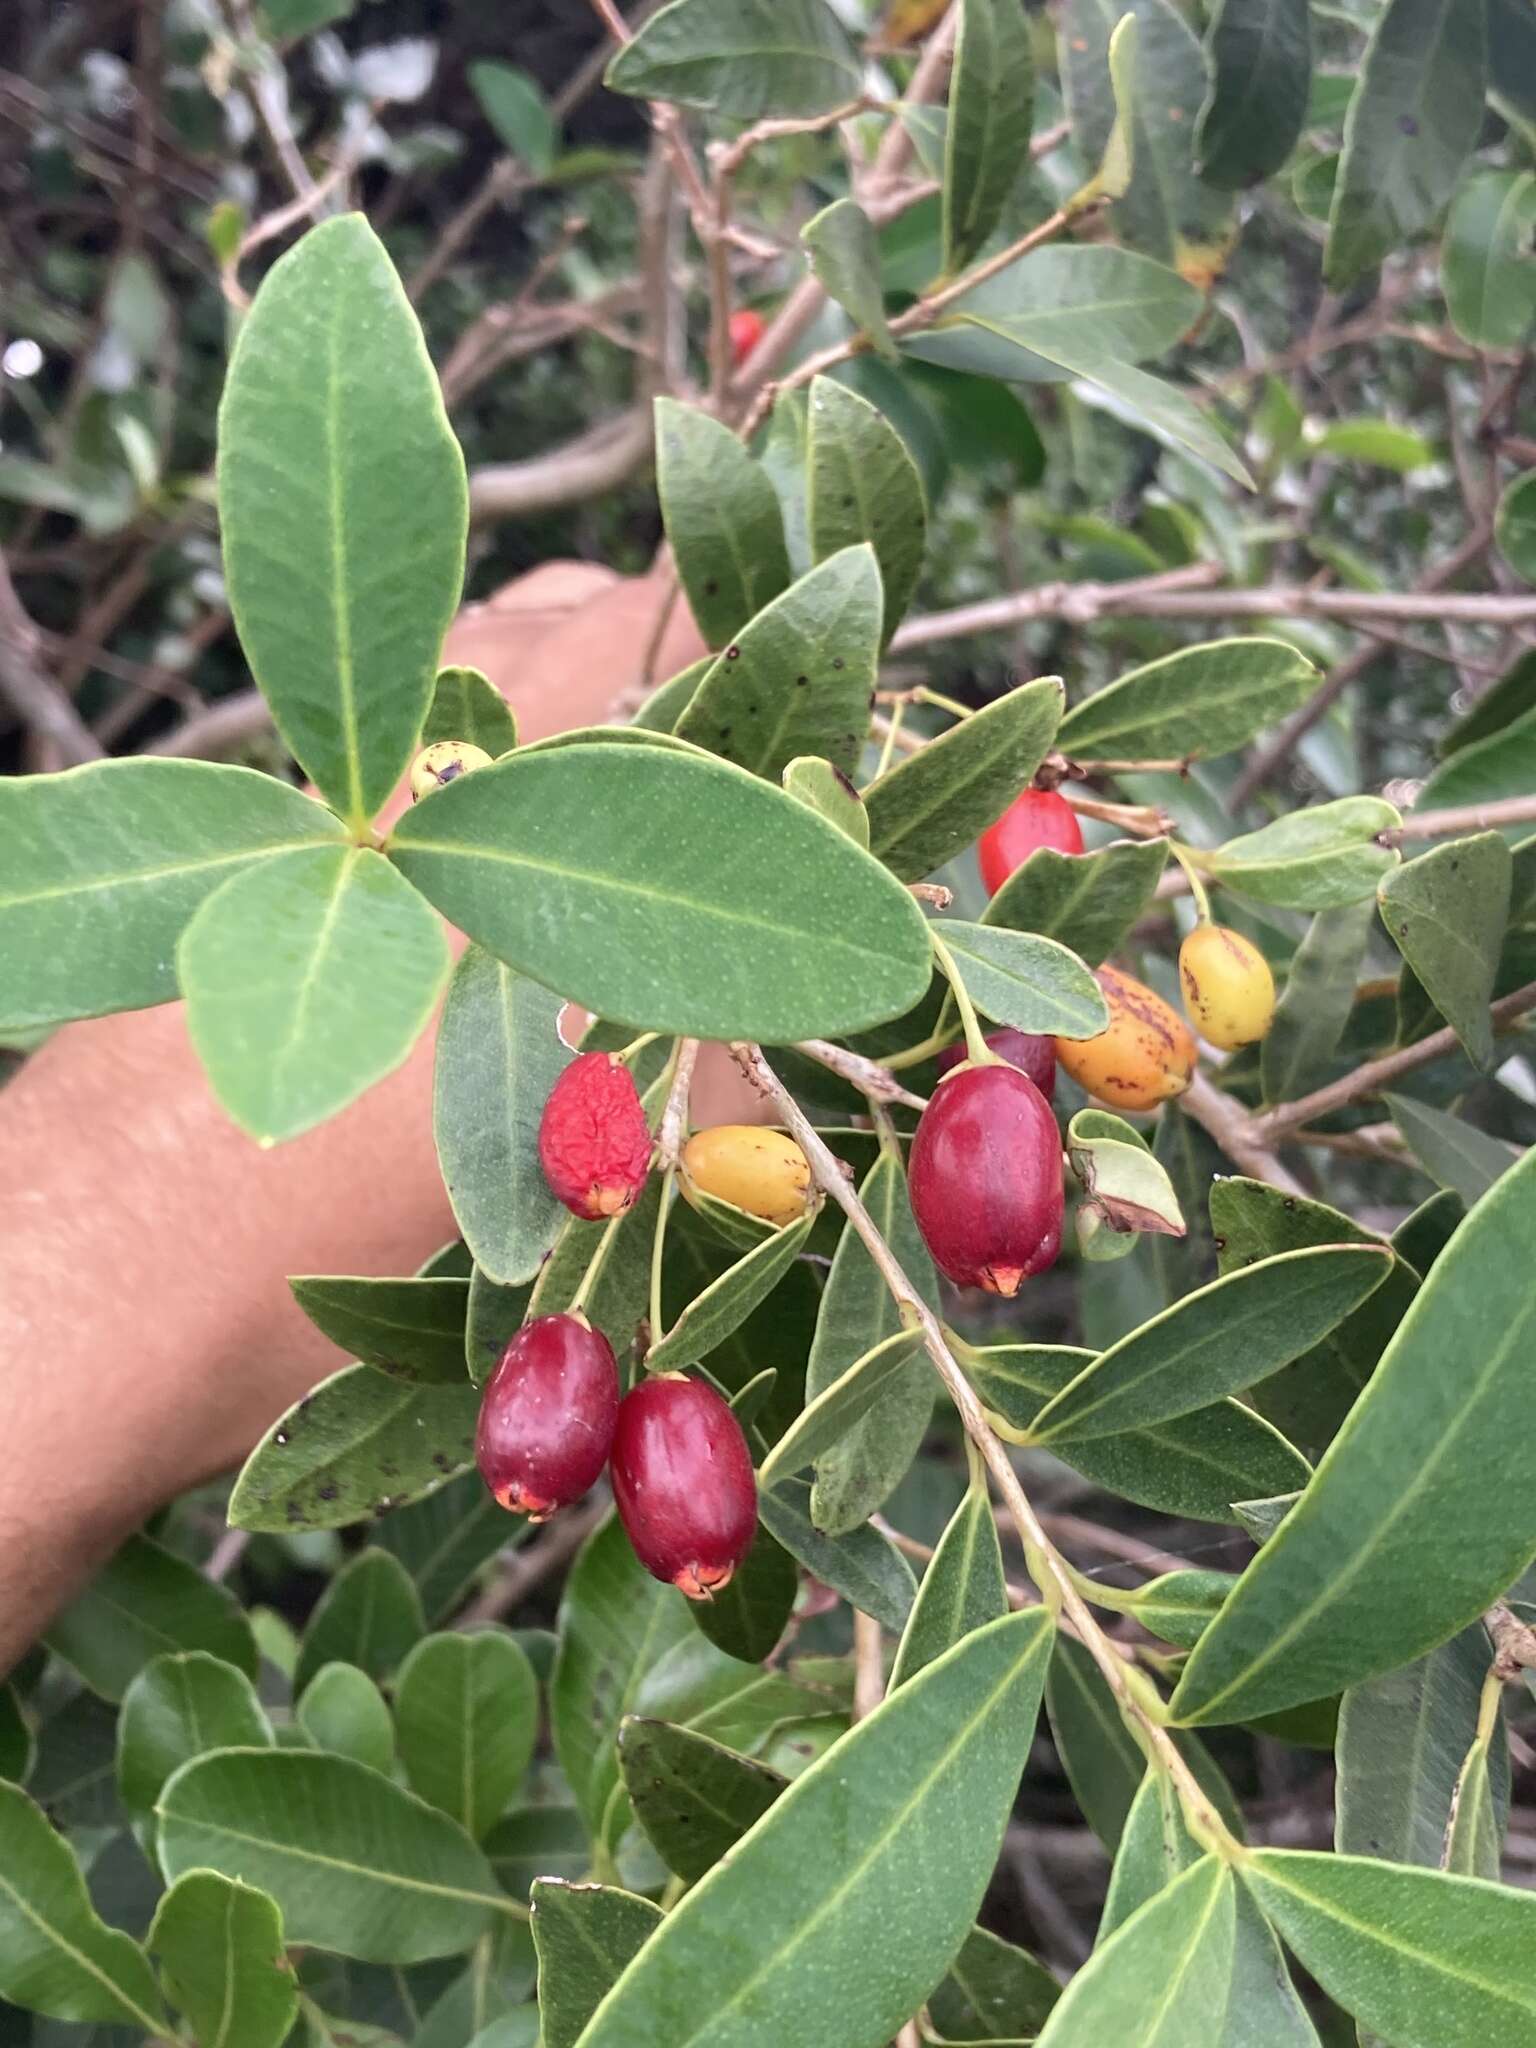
(1474, 1842)
(1263, 2008)
(741, 58)
(356, 1445)
(343, 509)
(179, 1706)
(1100, 1756)
(992, 1985)
(445, 1539)
(369, 1615)
(722, 519)
(1509, 699)
(861, 485)
(1456, 1154)
(1123, 1185)
(1031, 983)
(104, 865)
(1085, 901)
(1486, 267)
(410, 1329)
(1381, 442)
(307, 980)
(619, 1260)
(1422, 1236)
(16, 1744)
(1315, 859)
(1261, 74)
(1178, 1605)
(839, 1408)
(145, 1601)
(586, 1935)
(355, 1864)
(662, 709)
(1178, 1947)
(1503, 764)
(537, 1841)
(963, 1587)
(694, 1798)
(870, 1573)
(986, 139)
(930, 807)
(520, 115)
(1195, 1465)
(1215, 1341)
(1426, 1960)
(467, 706)
(1154, 1848)
(857, 1313)
(343, 1711)
(1413, 120)
(1199, 702)
(467, 1714)
(1514, 526)
(749, 1616)
(822, 1882)
(1316, 1001)
(56, 1956)
(1446, 912)
(671, 893)
(841, 249)
(727, 1302)
(1343, 1591)
(499, 1053)
(221, 1947)
(826, 790)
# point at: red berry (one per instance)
(986, 1179)
(682, 1478)
(1035, 818)
(747, 329)
(1026, 1050)
(548, 1415)
(594, 1145)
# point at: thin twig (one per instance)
(35, 698)
(868, 1076)
(1506, 810)
(1245, 1143)
(674, 1118)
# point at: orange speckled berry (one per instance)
(1146, 1055)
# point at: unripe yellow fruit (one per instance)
(443, 762)
(1146, 1055)
(1229, 991)
(761, 1171)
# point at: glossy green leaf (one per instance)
(518, 111)
(180, 1705)
(1455, 1153)
(467, 706)
(840, 1407)
(1427, 1960)
(1100, 1756)
(1487, 269)
(748, 1616)
(1446, 912)
(1178, 1605)
(870, 1573)
(817, 1897)
(103, 865)
(467, 1713)
(722, 520)
(221, 1947)
(143, 1602)
(861, 486)
(1215, 1342)
(963, 1587)
(1413, 120)
(741, 58)
(307, 980)
(1177, 1947)
(355, 1864)
(986, 139)
(1154, 1848)
(586, 1935)
(1085, 901)
(727, 1302)
(1503, 764)
(538, 1841)
(1347, 1587)
(1261, 73)
(343, 509)
(1123, 1185)
(1424, 1234)
(499, 1053)
(857, 1313)
(1195, 1465)
(993, 1990)
(1200, 702)
(369, 1615)
(1031, 983)
(56, 1955)
(825, 789)
(410, 1329)
(1514, 526)
(841, 248)
(445, 1540)
(669, 892)
(693, 1797)
(1314, 859)
(343, 1711)
(1315, 1001)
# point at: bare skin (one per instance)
(146, 1328)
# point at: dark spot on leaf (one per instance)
(711, 587)
(1289, 1202)
(844, 783)
(279, 1436)
(1220, 1243)
(1408, 124)
(801, 681)
(328, 1491)
(837, 661)
(733, 654)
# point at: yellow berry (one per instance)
(1229, 991)
(1145, 1055)
(761, 1171)
(443, 762)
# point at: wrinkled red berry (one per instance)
(985, 1179)
(682, 1478)
(594, 1145)
(1035, 818)
(747, 329)
(1026, 1050)
(547, 1416)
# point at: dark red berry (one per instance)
(1035, 818)
(682, 1478)
(1030, 1053)
(985, 1178)
(547, 1417)
(594, 1145)
(746, 332)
